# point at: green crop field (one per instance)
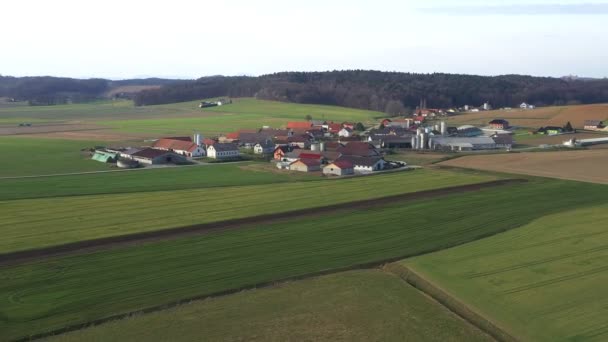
(144, 180)
(25, 156)
(184, 117)
(353, 306)
(243, 113)
(56, 292)
(545, 281)
(68, 219)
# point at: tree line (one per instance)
(389, 92)
(46, 90)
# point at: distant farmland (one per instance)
(542, 116)
(353, 306)
(587, 166)
(545, 281)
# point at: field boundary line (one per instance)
(450, 302)
(19, 257)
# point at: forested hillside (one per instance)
(387, 91)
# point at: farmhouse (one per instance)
(363, 164)
(334, 128)
(223, 151)
(151, 156)
(305, 165)
(339, 168)
(180, 145)
(345, 132)
(526, 106)
(594, 125)
(266, 147)
(281, 151)
(500, 124)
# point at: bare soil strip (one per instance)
(80, 247)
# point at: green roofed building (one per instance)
(104, 156)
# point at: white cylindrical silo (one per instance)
(322, 147)
(444, 128)
(314, 147)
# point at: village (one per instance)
(337, 149)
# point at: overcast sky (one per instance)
(189, 39)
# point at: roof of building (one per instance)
(308, 162)
(359, 161)
(358, 148)
(299, 124)
(441, 140)
(503, 139)
(334, 127)
(593, 122)
(208, 141)
(332, 145)
(343, 164)
(309, 155)
(499, 122)
(150, 153)
(283, 148)
(347, 129)
(318, 122)
(467, 127)
(254, 138)
(172, 144)
(265, 144)
(225, 147)
(298, 138)
(232, 135)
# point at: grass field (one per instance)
(24, 156)
(587, 166)
(243, 113)
(352, 306)
(145, 180)
(543, 116)
(545, 281)
(69, 290)
(69, 219)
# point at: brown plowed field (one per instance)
(587, 166)
(133, 239)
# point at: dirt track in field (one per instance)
(20, 257)
(586, 166)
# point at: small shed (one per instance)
(105, 156)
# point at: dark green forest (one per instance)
(375, 90)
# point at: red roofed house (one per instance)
(334, 128)
(298, 124)
(180, 145)
(385, 122)
(314, 156)
(499, 124)
(339, 168)
(348, 125)
(305, 165)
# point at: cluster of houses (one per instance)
(332, 158)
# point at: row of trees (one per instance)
(47, 90)
(389, 92)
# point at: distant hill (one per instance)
(387, 91)
(47, 90)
